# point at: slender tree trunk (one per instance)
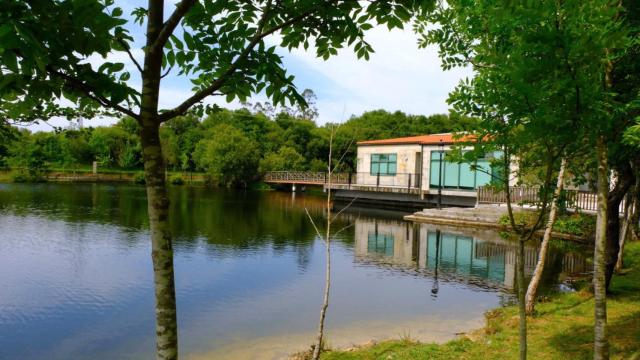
(623, 234)
(634, 222)
(629, 216)
(544, 247)
(327, 285)
(624, 180)
(601, 344)
(157, 199)
(520, 280)
(521, 299)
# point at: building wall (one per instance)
(406, 164)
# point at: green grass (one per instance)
(561, 329)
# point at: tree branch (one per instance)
(128, 50)
(166, 72)
(170, 25)
(90, 92)
(218, 83)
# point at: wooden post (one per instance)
(378, 180)
(409, 185)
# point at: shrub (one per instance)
(139, 179)
(176, 180)
(29, 177)
(575, 224)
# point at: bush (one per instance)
(30, 177)
(176, 180)
(139, 179)
(575, 224)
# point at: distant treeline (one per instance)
(232, 146)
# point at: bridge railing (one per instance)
(398, 180)
(574, 199)
(305, 177)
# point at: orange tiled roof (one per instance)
(430, 139)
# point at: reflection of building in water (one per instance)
(388, 240)
(456, 254)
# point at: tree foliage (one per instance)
(284, 142)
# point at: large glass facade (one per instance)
(383, 164)
(459, 176)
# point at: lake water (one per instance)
(76, 274)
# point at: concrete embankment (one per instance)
(482, 216)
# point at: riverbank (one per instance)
(562, 328)
(82, 175)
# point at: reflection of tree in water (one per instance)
(226, 220)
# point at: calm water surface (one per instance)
(76, 274)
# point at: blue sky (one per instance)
(398, 76)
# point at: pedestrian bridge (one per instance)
(409, 188)
(306, 178)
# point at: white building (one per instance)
(414, 164)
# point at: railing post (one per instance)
(350, 180)
(378, 180)
(409, 185)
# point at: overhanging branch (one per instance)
(218, 83)
(90, 92)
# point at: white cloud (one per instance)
(398, 76)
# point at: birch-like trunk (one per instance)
(519, 258)
(600, 343)
(161, 247)
(157, 199)
(327, 285)
(521, 296)
(530, 298)
(629, 208)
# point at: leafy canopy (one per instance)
(222, 46)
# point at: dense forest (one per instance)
(232, 146)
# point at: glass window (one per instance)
(434, 173)
(383, 164)
(451, 173)
(467, 177)
(483, 174)
(461, 176)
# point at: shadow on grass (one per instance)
(624, 339)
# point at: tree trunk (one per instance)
(157, 199)
(623, 233)
(161, 247)
(601, 344)
(625, 180)
(521, 298)
(532, 290)
(327, 285)
(629, 216)
(634, 223)
(506, 163)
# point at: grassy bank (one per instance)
(562, 328)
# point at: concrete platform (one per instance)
(482, 216)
